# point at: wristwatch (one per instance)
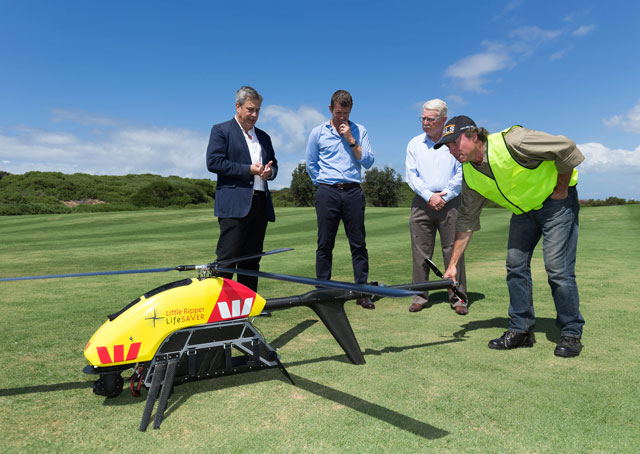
(355, 143)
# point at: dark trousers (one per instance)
(243, 236)
(332, 206)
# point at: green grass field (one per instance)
(430, 383)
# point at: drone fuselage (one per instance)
(134, 334)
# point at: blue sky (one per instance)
(123, 87)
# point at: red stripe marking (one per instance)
(133, 351)
(118, 353)
(104, 356)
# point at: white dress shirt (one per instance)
(255, 149)
(429, 170)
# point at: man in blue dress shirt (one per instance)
(336, 151)
(436, 178)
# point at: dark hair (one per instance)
(342, 97)
(482, 133)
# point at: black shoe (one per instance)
(512, 339)
(366, 303)
(568, 347)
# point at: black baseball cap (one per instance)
(453, 128)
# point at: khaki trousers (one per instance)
(423, 225)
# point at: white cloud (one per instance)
(112, 146)
(601, 159)
(142, 149)
(534, 33)
(474, 72)
(456, 100)
(577, 15)
(629, 122)
(82, 117)
(561, 53)
(584, 30)
(289, 129)
(511, 6)
(471, 71)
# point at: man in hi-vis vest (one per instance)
(532, 174)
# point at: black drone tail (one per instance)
(328, 304)
(335, 319)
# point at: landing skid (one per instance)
(204, 352)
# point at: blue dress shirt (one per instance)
(330, 160)
(430, 170)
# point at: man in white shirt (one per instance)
(436, 178)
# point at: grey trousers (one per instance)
(423, 225)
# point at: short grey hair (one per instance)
(436, 104)
(245, 93)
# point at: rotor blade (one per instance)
(358, 288)
(227, 262)
(454, 285)
(433, 267)
(97, 273)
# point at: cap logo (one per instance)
(449, 129)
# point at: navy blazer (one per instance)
(228, 156)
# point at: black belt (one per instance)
(255, 193)
(342, 185)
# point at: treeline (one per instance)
(609, 201)
(55, 192)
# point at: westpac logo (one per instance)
(118, 353)
(234, 301)
(237, 309)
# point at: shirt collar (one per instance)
(430, 143)
(252, 131)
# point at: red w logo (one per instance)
(235, 301)
(118, 353)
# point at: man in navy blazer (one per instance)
(242, 157)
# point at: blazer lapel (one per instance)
(239, 137)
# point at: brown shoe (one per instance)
(415, 307)
(366, 303)
(459, 306)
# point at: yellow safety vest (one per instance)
(513, 186)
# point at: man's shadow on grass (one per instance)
(544, 326)
(439, 297)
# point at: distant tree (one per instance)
(383, 188)
(302, 189)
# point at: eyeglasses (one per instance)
(429, 120)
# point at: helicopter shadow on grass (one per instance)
(7, 392)
(392, 417)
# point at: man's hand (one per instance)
(256, 168)
(266, 171)
(451, 272)
(561, 191)
(436, 202)
(459, 246)
(345, 131)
